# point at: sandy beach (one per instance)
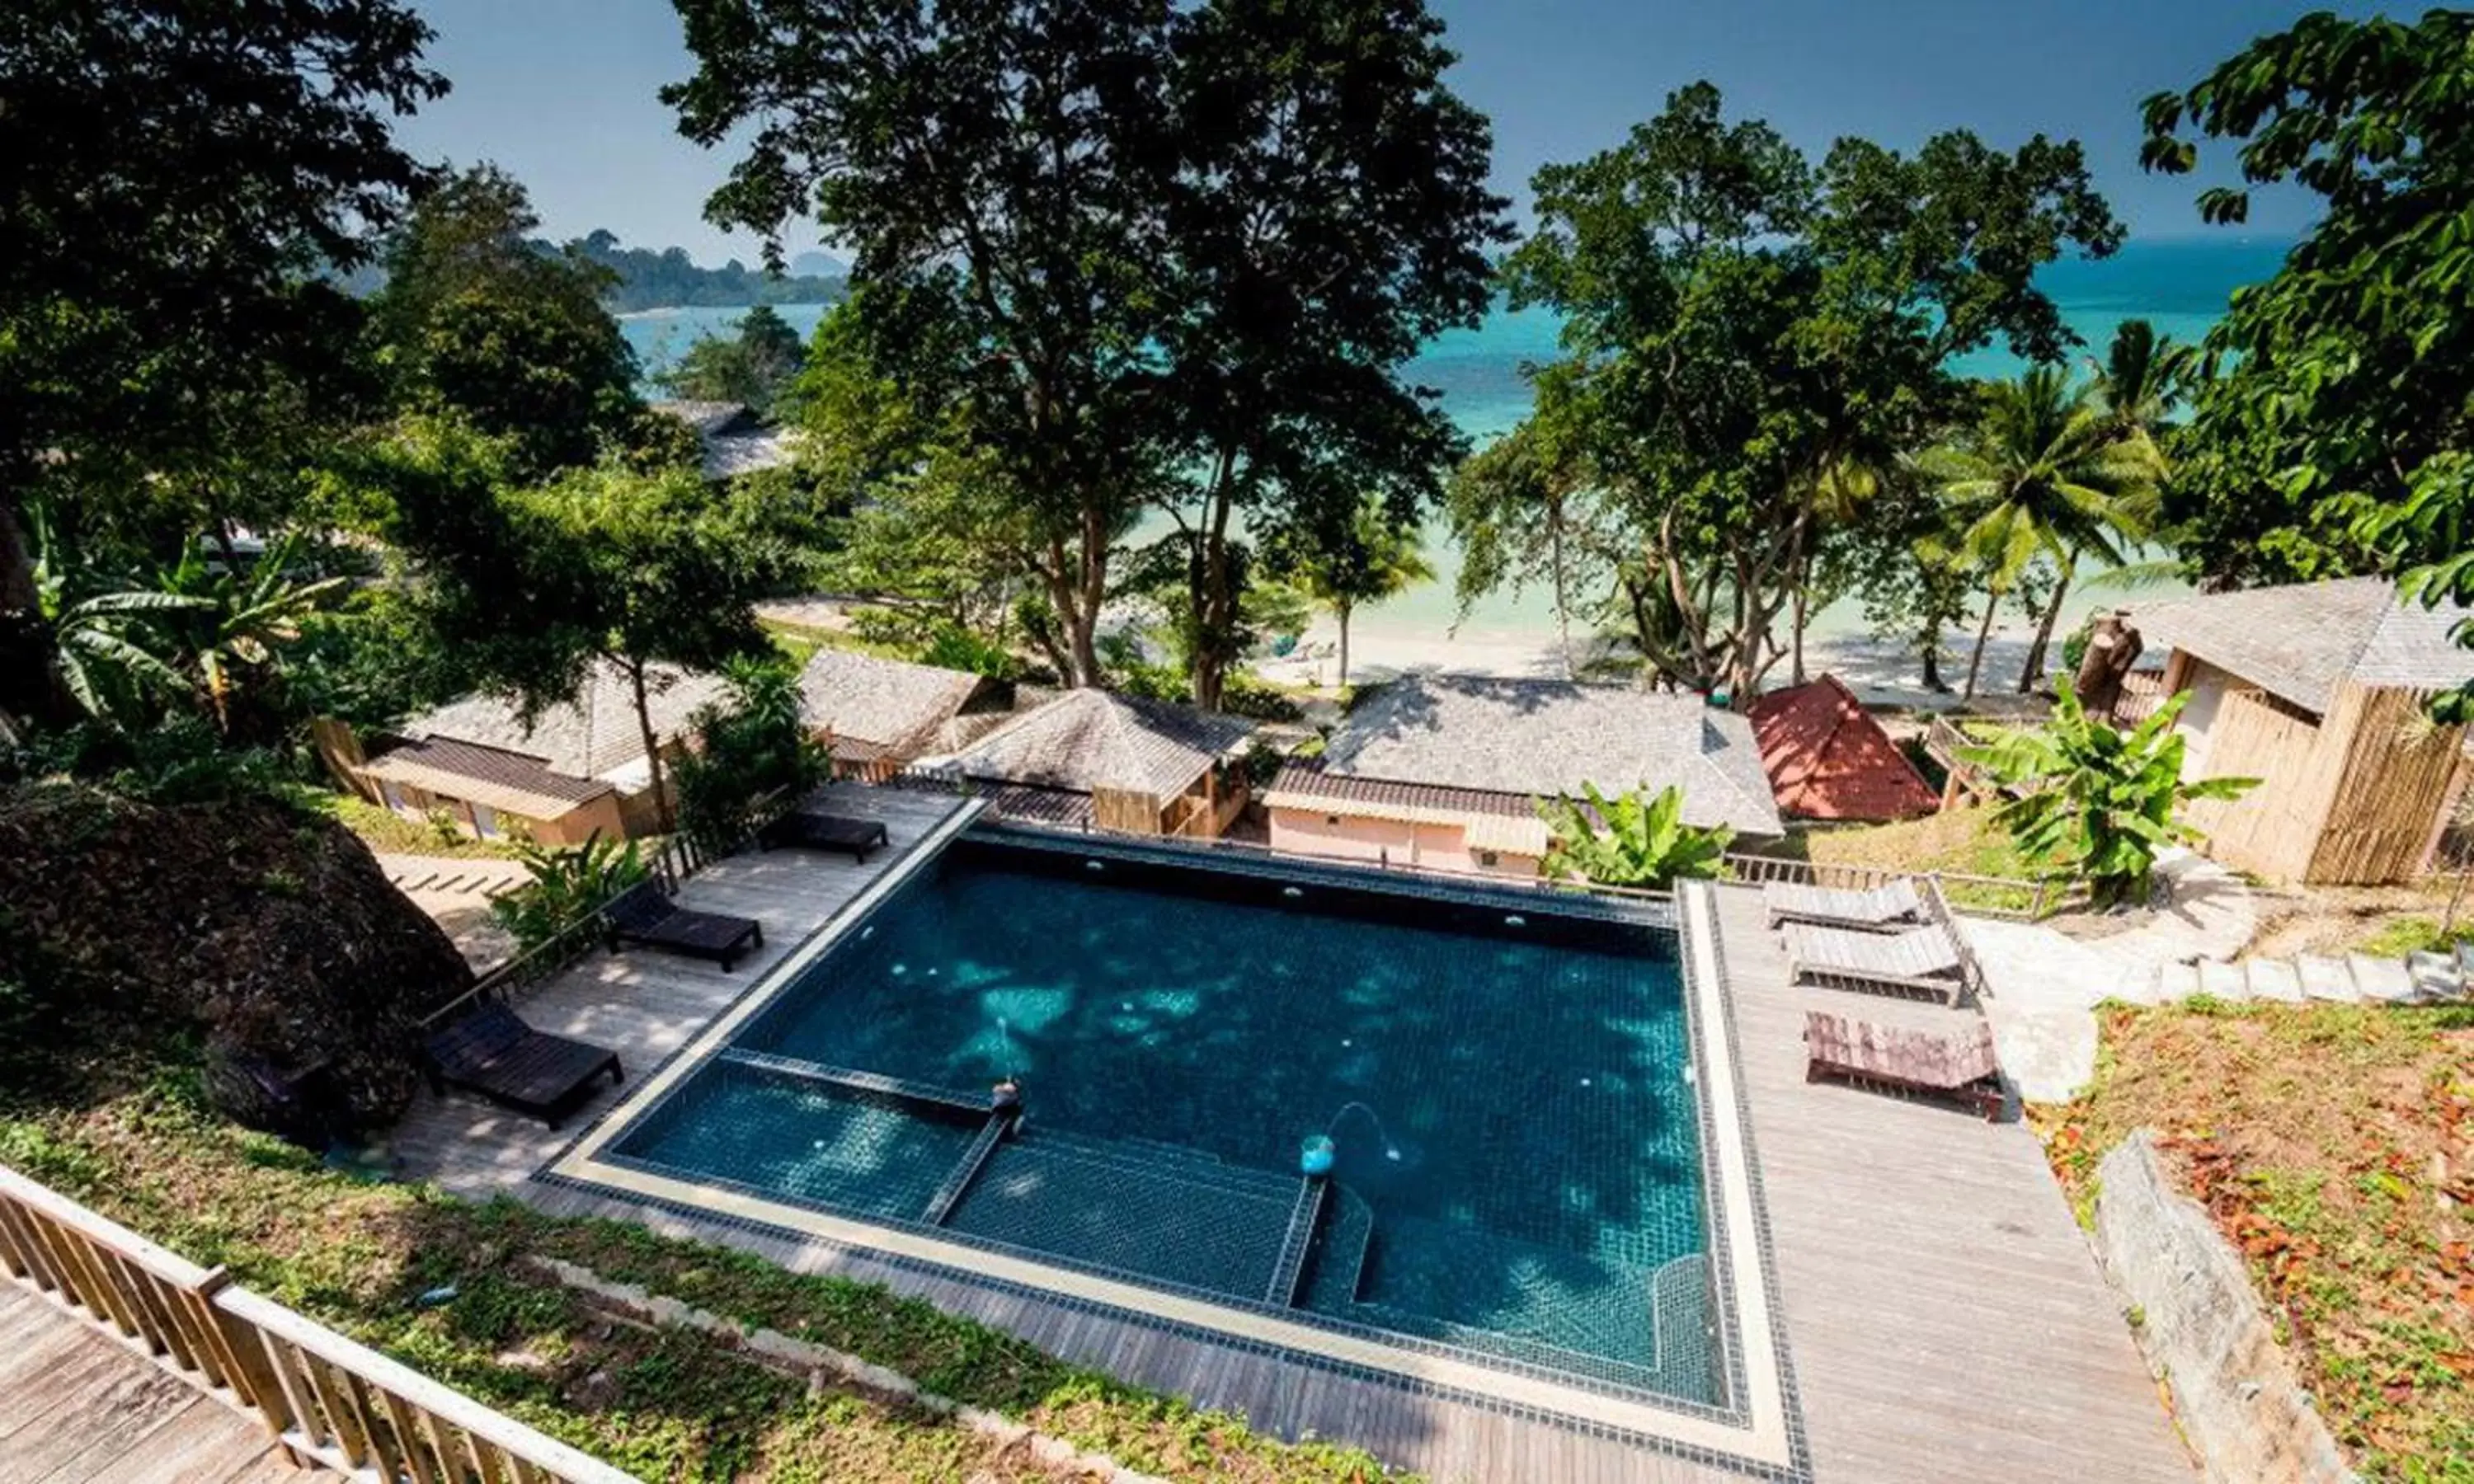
(1879, 672)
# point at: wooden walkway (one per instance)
(1943, 1318)
(79, 1407)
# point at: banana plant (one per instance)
(94, 638)
(1636, 839)
(252, 614)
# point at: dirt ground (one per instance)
(2331, 920)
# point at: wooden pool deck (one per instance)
(1944, 1319)
(79, 1407)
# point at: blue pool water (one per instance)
(1517, 1145)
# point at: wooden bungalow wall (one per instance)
(2351, 799)
(2270, 829)
(2396, 783)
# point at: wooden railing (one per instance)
(1993, 897)
(327, 1400)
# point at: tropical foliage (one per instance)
(2095, 801)
(1181, 277)
(1637, 839)
(2334, 389)
(1369, 558)
(752, 747)
(2044, 470)
(568, 885)
(1741, 326)
(752, 367)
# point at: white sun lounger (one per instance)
(1894, 903)
(1924, 960)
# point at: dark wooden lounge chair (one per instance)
(493, 1052)
(643, 915)
(1962, 1068)
(802, 830)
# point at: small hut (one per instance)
(1147, 767)
(2321, 691)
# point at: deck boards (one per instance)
(1944, 1317)
(78, 1407)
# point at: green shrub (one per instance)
(754, 747)
(565, 885)
(1636, 839)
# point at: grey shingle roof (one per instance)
(896, 705)
(1091, 739)
(1540, 737)
(2301, 642)
(589, 736)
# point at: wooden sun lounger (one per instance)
(642, 915)
(799, 829)
(1962, 1068)
(1920, 960)
(493, 1053)
(1893, 904)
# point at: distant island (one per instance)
(669, 279)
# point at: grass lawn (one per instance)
(2335, 1147)
(1961, 839)
(390, 832)
(662, 1404)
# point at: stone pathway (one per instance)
(2042, 986)
(455, 891)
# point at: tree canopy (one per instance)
(1127, 254)
(754, 366)
(181, 171)
(2338, 386)
(475, 320)
(1740, 323)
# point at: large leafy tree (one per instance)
(1325, 213)
(1129, 254)
(2044, 471)
(988, 167)
(477, 318)
(603, 565)
(1739, 322)
(2340, 385)
(180, 171)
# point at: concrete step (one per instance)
(2142, 986)
(2326, 978)
(2175, 982)
(2382, 979)
(2221, 980)
(2273, 978)
(2435, 976)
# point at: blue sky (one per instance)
(561, 91)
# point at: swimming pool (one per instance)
(1506, 1080)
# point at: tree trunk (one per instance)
(1983, 632)
(1340, 610)
(1795, 665)
(2033, 670)
(1932, 652)
(662, 809)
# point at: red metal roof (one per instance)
(1829, 759)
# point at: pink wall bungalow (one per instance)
(1445, 772)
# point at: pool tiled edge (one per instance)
(1754, 1434)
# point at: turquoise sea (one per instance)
(2181, 285)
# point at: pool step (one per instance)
(943, 1099)
(1336, 1262)
(940, 1204)
(1304, 1222)
(1150, 1157)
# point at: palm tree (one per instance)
(2143, 378)
(2044, 471)
(1377, 558)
